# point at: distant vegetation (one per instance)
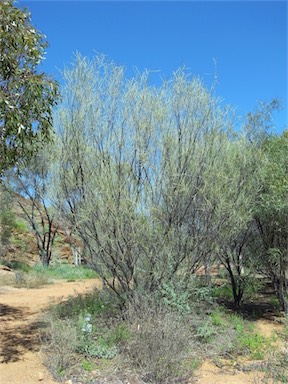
(38, 276)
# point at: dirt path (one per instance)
(20, 358)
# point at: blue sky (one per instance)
(246, 38)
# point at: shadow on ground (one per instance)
(260, 308)
(17, 340)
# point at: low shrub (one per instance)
(95, 302)
(160, 344)
(61, 340)
(31, 280)
(156, 336)
(25, 280)
(276, 366)
(223, 292)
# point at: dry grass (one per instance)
(24, 280)
(160, 345)
(60, 342)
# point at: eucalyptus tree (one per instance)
(137, 172)
(27, 96)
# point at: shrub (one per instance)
(60, 346)
(160, 344)
(176, 298)
(25, 280)
(90, 344)
(18, 265)
(31, 280)
(223, 292)
(95, 303)
(206, 331)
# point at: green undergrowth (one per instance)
(66, 272)
(162, 340)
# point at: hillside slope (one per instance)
(21, 245)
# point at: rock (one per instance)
(40, 376)
(68, 382)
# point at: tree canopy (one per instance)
(27, 96)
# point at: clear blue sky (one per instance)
(247, 39)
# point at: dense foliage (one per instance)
(27, 97)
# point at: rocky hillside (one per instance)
(21, 245)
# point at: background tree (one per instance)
(232, 187)
(27, 97)
(271, 216)
(32, 182)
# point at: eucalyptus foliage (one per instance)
(27, 96)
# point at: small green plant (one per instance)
(175, 297)
(98, 350)
(86, 365)
(223, 292)
(90, 344)
(217, 318)
(254, 344)
(237, 323)
(248, 340)
(20, 226)
(206, 331)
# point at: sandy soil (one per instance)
(20, 309)
(20, 358)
